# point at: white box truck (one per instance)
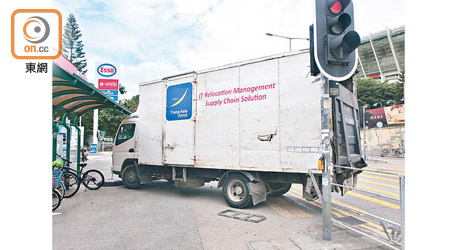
(255, 126)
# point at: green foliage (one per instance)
(73, 45)
(131, 104)
(109, 119)
(371, 91)
(87, 123)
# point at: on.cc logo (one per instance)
(36, 30)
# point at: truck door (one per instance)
(124, 144)
(346, 139)
(179, 125)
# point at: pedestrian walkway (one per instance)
(395, 160)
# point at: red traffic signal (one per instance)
(337, 6)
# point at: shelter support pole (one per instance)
(68, 135)
(55, 134)
(78, 141)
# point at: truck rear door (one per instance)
(346, 137)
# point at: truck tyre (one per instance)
(130, 177)
(281, 188)
(236, 191)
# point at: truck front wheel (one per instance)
(236, 191)
(130, 177)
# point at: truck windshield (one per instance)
(126, 132)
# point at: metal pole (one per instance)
(326, 199)
(55, 134)
(402, 208)
(365, 132)
(290, 45)
(326, 149)
(381, 140)
(68, 136)
(78, 142)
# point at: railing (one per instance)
(401, 200)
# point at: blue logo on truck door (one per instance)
(179, 102)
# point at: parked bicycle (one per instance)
(91, 179)
(56, 194)
(400, 151)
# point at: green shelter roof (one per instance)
(74, 95)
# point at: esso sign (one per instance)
(106, 70)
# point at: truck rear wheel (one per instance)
(236, 191)
(130, 177)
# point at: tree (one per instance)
(110, 119)
(72, 44)
(371, 91)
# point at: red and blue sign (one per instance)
(113, 94)
(179, 102)
(106, 70)
(108, 86)
(111, 84)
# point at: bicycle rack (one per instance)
(397, 229)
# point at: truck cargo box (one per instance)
(259, 115)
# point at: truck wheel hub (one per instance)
(236, 191)
(132, 176)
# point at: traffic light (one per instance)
(367, 117)
(312, 62)
(335, 40)
(364, 116)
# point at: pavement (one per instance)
(159, 216)
(394, 160)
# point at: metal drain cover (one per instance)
(351, 220)
(255, 218)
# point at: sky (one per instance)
(153, 39)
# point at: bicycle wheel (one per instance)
(72, 184)
(62, 189)
(93, 179)
(56, 199)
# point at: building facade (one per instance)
(382, 55)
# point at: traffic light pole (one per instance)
(326, 199)
(326, 153)
(334, 51)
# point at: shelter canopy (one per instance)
(74, 95)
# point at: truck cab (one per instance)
(125, 144)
